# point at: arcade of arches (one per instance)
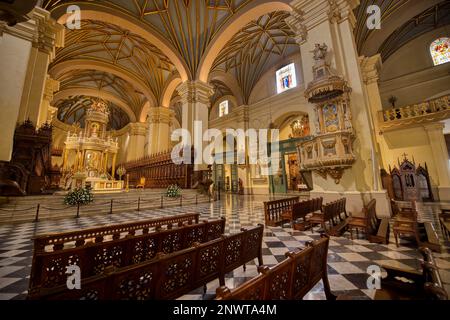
(355, 108)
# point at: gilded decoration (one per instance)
(330, 152)
(90, 151)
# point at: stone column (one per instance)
(332, 22)
(25, 52)
(195, 98)
(113, 170)
(244, 171)
(159, 122)
(370, 69)
(435, 132)
(136, 145)
(46, 110)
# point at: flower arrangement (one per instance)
(79, 196)
(173, 191)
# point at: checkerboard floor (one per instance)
(348, 260)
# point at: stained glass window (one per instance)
(440, 51)
(223, 108)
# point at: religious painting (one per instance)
(330, 116)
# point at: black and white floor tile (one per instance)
(348, 260)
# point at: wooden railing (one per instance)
(168, 276)
(429, 111)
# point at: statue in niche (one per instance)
(317, 121)
(347, 117)
(320, 52)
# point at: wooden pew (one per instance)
(301, 210)
(376, 230)
(49, 267)
(406, 223)
(425, 285)
(291, 279)
(100, 234)
(334, 214)
(168, 276)
(273, 210)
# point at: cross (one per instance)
(405, 156)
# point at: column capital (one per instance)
(370, 68)
(160, 115)
(195, 91)
(297, 24)
(310, 13)
(42, 30)
(138, 129)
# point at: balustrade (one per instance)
(432, 110)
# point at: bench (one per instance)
(376, 230)
(100, 234)
(168, 276)
(291, 279)
(406, 223)
(301, 210)
(273, 210)
(335, 215)
(49, 267)
(425, 285)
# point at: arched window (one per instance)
(223, 108)
(440, 51)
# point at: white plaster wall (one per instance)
(14, 56)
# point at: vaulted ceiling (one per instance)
(72, 110)
(129, 50)
(188, 25)
(255, 48)
(402, 21)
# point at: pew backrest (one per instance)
(49, 268)
(168, 276)
(82, 237)
(291, 279)
(274, 209)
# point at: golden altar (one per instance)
(90, 152)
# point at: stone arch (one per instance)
(84, 64)
(171, 85)
(92, 11)
(253, 11)
(96, 93)
(284, 119)
(144, 112)
(230, 81)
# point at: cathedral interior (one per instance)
(206, 149)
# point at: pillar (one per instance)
(113, 170)
(136, 145)
(159, 122)
(25, 52)
(46, 111)
(195, 97)
(332, 22)
(435, 132)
